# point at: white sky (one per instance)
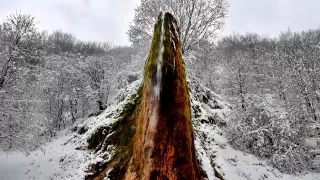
(270, 17)
(98, 20)
(108, 20)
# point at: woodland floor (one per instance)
(57, 160)
(60, 161)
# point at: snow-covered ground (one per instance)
(61, 161)
(233, 164)
(213, 149)
(56, 160)
(66, 158)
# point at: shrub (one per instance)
(280, 140)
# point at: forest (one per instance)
(51, 80)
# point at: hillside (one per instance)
(67, 156)
(164, 125)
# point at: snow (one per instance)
(107, 174)
(233, 164)
(312, 142)
(205, 161)
(109, 115)
(56, 160)
(214, 151)
(67, 158)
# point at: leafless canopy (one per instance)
(198, 20)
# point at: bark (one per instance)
(163, 149)
(241, 93)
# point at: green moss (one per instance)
(123, 127)
(122, 157)
(128, 109)
(124, 130)
(123, 136)
(98, 137)
(154, 51)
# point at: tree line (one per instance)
(273, 85)
(48, 80)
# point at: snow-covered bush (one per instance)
(278, 139)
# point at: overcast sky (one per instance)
(270, 17)
(108, 20)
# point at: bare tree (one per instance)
(15, 33)
(198, 20)
(20, 51)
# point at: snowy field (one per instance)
(61, 161)
(56, 161)
(65, 157)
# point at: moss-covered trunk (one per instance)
(162, 147)
(165, 150)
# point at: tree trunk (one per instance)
(155, 130)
